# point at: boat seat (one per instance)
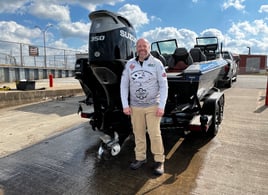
(197, 55)
(211, 55)
(157, 55)
(208, 50)
(179, 60)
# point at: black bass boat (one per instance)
(193, 101)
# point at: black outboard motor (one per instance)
(111, 43)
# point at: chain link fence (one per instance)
(26, 55)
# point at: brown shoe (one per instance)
(159, 168)
(137, 164)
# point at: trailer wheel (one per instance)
(106, 155)
(229, 83)
(103, 152)
(217, 117)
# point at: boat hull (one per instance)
(187, 90)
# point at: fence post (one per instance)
(21, 58)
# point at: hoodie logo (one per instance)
(132, 66)
(151, 65)
(141, 93)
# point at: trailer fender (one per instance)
(210, 102)
(214, 106)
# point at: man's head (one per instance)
(143, 48)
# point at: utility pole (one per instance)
(44, 39)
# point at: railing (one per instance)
(7, 59)
(21, 54)
(19, 61)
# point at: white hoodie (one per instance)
(146, 84)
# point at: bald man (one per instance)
(144, 91)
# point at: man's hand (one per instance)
(160, 112)
(127, 111)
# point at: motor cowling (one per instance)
(112, 37)
(112, 41)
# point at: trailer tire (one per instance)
(217, 116)
(214, 127)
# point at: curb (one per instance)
(8, 99)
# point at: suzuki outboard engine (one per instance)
(111, 43)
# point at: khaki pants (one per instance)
(142, 118)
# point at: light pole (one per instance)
(249, 51)
(44, 38)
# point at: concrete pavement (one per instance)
(46, 148)
(62, 87)
(30, 116)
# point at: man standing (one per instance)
(144, 83)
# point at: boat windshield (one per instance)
(164, 47)
(206, 40)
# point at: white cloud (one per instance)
(161, 34)
(261, 27)
(236, 32)
(92, 4)
(185, 38)
(253, 34)
(236, 45)
(12, 6)
(154, 18)
(244, 29)
(213, 32)
(263, 8)
(11, 31)
(237, 4)
(60, 44)
(75, 29)
(188, 39)
(49, 9)
(134, 14)
(45, 10)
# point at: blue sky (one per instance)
(237, 23)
